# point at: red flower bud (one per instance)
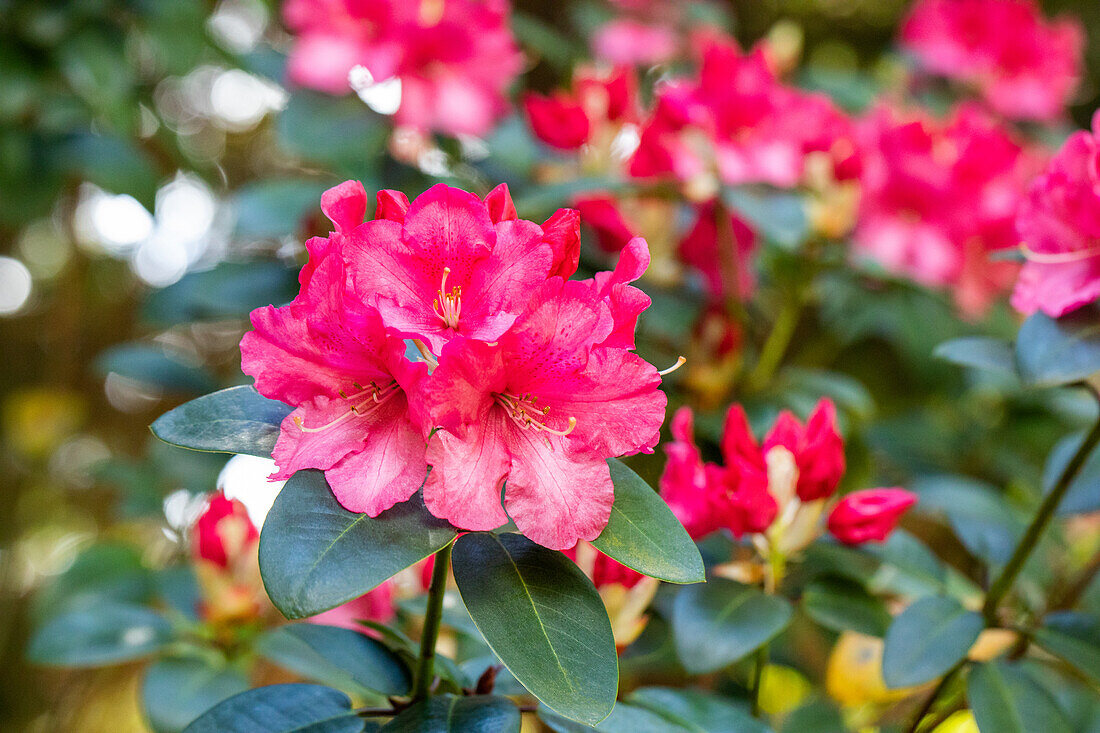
(869, 515)
(558, 120)
(223, 531)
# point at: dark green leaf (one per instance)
(718, 623)
(845, 606)
(230, 290)
(154, 366)
(1051, 352)
(977, 513)
(339, 131)
(234, 420)
(1083, 495)
(451, 714)
(927, 639)
(644, 534)
(106, 633)
(979, 352)
(780, 216)
(543, 618)
(816, 716)
(275, 208)
(109, 571)
(1005, 700)
(335, 656)
(623, 719)
(315, 555)
(1075, 639)
(697, 711)
(177, 690)
(293, 708)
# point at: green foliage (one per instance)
(1052, 352)
(843, 605)
(97, 635)
(1073, 638)
(1003, 698)
(451, 714)
(313, 551)
(234, 420)
(927, 639)
(290, 708)
(176, 690)
(720, 622)
(543, 619)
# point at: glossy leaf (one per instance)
(718, 623)
(230, 290)
(104, 572)
(845, 606)
(105, 633)
(315, 555)
(979, 352)
(645, 535)
(623, 719)
(1051, 352)
(453, 714)
(335, 655)
(543, 618)
(234, 420)
(976, 512)
(176, 690)
(697, 711)
(295, 708)
(927, 639)
(1075, 639)
(816, 716)
(1004, 699)
(274, 208)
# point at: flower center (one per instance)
(448, 306)
(363, 402)
(528, 415)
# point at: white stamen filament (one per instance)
(680, 361)
(520, 410)
(378, 395)
(1059, 258)
(448, 306)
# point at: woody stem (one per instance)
(425, 669)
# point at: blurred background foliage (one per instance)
(156, 182)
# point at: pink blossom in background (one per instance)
(597, 101)
(1059, 225)
(939, 196)
(817, 448)
(223, 532)
(376, 605)
(701, 249)
(605, 570)
(635, 43)
(601, 212)
(1024, 67)
(683, 483)
(455, 58)
(739, 120)
(558, 120)
(869, 515)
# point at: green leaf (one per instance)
(816, 716)
(1083, 495)
(234, 420)
(779, 216)
(338, 131)
(315, 555)
(156, 367)
(230, 290)
(336, 656)
(718, 623)
(1005, 700)
(295, 708)
(109, 571)
(697, 711)
(177, 690)
(451, 714)
(1075, 639)
(543, 618)
(275, 208)
(645, 535)
(977, 513)
(841, 605)
(927, 639)
(1052, 352)
(623, 719)
(106, 633)
(979, 352)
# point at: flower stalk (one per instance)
(425, 669)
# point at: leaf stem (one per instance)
(1001, 586)
(775, 346)
(926, 708)
(426, 664)
(761, 661)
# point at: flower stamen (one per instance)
(448, 306)
(1058, 258)
(378, 395)
(680, 361)
(527, 415)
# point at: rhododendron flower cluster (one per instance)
(453, 58)
(1059, 225)
(938, 197)
(775, 491)
(525, 378)
(1024, 66)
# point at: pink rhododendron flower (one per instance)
(740, 120)
(375, 605)
(701, 248)
(632, 42)
(1059, 223)
(542, 408)
(331, 357)
(601, 569)
(939, 196)
(602, 214)
(869, 515)
(558, 120)
(817, 448)
(454, 265)
(454, 58)
(1024, 66)
(597, 102)
(223, 532)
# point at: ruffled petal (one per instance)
(467, 474)
(563, 233)
(392, 205)
(345, 205)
